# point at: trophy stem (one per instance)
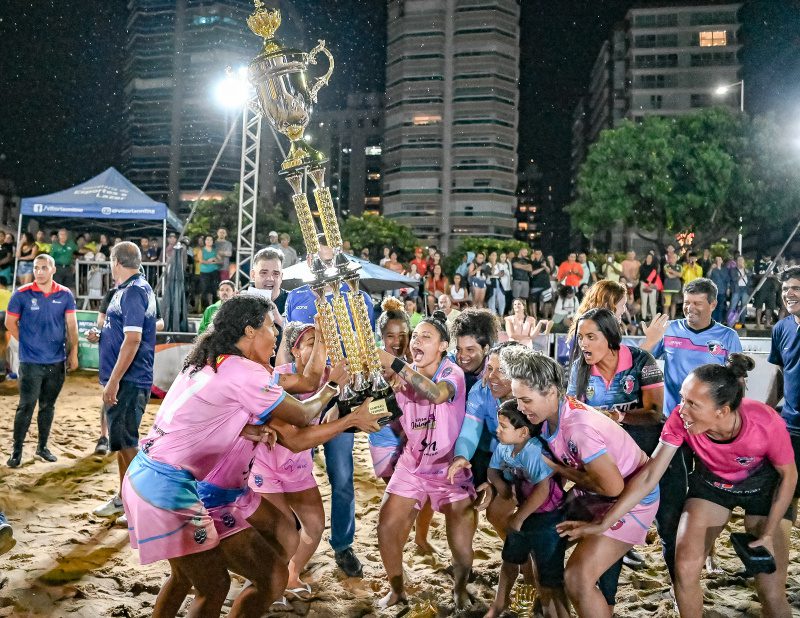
(304, 216)
(327, 212)
(329, 335)
(348, 335)
(369, 350)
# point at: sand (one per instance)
(69, 563)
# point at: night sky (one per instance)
(61, 75)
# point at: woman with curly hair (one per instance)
(222, 398)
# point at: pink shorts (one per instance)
(160, 533)
(408, 485)
(384, 459)
(279, 471)
(232, 518)
(633, 526)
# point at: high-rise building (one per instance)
(176, 52)
(353, 138)
(450, 149)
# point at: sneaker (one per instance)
(15, 460)
(110, 508)
(102, 447)
(7, 540)
(45, 455)
(633, 560)
(349, 562)
(122, 520)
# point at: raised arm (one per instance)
(435, 392)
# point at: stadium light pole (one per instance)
(722, 91)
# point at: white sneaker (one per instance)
(110, 508)
(122, 520)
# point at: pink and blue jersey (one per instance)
(636, 371)
(683, 349)
(527, 469)
(432, 429)
(763, 437)
(203, 414)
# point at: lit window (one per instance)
(426, 119)
(373, 176)
(715, 38)
(522, 226)
(373, 151)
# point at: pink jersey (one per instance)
(278, 466)
(432, 429)
(763, 436)
(201, 417)
(583, 434)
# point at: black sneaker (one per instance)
(349, 562)
(45, 455)
(634, 560)
(102, 447)
(15, 460)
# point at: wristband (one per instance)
(333, 385)
(397, 365)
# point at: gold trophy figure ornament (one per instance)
(523, 600)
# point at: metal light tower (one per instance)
(248, 190)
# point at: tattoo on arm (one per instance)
(421, 384)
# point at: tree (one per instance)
(375, 232)
(700, 173)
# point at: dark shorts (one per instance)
(754, 494)
(538, 537)
(125, 416)
(535, 294)
(796, 446)
(480, 466)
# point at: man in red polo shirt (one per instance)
(570, 272)
(420, 262)
(39, 316)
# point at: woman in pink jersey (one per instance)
(433, 402)
(284, 475)
(743, 457)
(223, 394)
(593, 452)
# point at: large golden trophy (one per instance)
(286, 97)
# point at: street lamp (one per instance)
(722, 91)
(233, 91)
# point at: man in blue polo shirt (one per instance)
(127, 350)
(300, 307)
(41, 315)
(785, 353)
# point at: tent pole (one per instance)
(13, 283)
(163, 254)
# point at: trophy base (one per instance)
(382, 402)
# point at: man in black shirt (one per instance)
(520, 275)
(540, 283)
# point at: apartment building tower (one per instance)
(450, 148)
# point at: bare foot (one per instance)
(462, 599)
(712, 568)
(494, 612)
(424, 547)
(393, 598)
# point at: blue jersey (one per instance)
(527, 464)
(300, 305)
(785, 353)
(132, 309)
(636, 372)
(480, 423)
(42, 322)
(683, 349)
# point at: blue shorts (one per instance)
(25, 268)
(477, 282)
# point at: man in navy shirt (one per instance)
(785, 353)
(127, 350)
(41, 315)
(300, 307)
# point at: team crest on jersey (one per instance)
(446, 372)
(34, 304)
(744, 461)
(628, 383)
(258, 480)
(590, 391)
(573, 448)
(715, 348)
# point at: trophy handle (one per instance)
(311, 58)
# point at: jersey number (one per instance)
(198, 381)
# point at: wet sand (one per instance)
(69, 563)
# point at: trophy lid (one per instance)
(264, 22)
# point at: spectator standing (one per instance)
(27, 250)
(570, 272)
(63, 253)
(521, 273)
(41, 317)
(496, 301)
(589, 269)
(274, 240)
(338, 451)
(649, 286)
(445, 303)
(41, 242)
(169, 250)
(127, 350)
(611, 269)
(226, 290)
(766, 298)
(224, 250)
(741, 279)
(539, 284)
(209, 271)
(785, 355)
(630, 270)
(691, 269)
(706, 262)
(721, 276)
(197, 260)
(104, 245)
(266, 276)
(504, 270)
(478, 280)
(290, 255)
(672, 284)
